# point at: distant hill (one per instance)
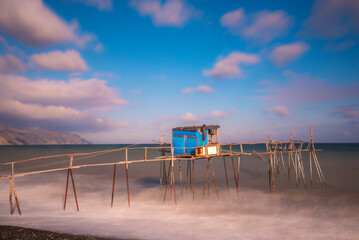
(12, 136)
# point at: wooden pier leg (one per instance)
(235, 175)
(164, 197)
(289, 167)
(225, 171)
(16, 200)
(67, 187)
(128, 187)
(173, 181)
(113, 183)
(205, 179)
(214, 179)
(10, 197)
(73, 185)
(269, 172)
(193, 178)
(311, 169)
(238, 168)
(180, 176)
(188, 170)
(282, 160)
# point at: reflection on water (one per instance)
(256, 214)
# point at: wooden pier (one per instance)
(286, 154)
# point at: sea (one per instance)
(255, 212)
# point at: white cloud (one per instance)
(101, 5)
(9, 63)
(201, 88)
(260, 27)
(77, 93)
(286, 53)
(189, 117)
(34, 24)
(57, 105)
(173, 13)
(57, 60)
(279, 110)
(228, 67)
(333, 19)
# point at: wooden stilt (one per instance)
(12, 191)
(269, 172)
(128, 187)
(10, 197)
(225, 171)
(73, 186)
(187, 175)
(214, 179)
(67, 186)
(311, 169)
(168, 177)
(113, 183)
(173, 179)
(238, 168)
(180, 176)
(205, 179)
(193, 178)
(235, 175)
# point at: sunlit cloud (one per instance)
(76, 93)
(173, 13)
(201, 88)
(228, 67)
(9, 63)
(289, 52)
(189, 117)
(101, 5)
(260, 27)
(332, 19)
(278, 110)
(33, 23)
(69, 60)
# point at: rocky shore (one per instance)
(20, 233)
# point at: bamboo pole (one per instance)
(173, 177)
(311, 169)
(214, 179)
(193, 178)
(128, 188)
(235, 176)
(113, 183)
(168, 177)
(67, 186)
(73, 186)
(205, 179)
(180, 176)
(238, 168)
(225, 171)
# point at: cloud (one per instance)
(99, 47)
(260, 27)
(57, 105)
(346, 111)
(57, 60)
(279, 110)
(17, 114)
(77, 93)
(286, 53)
(302, 89)
(174, 13)
(331, 19)
(228, 67)
(34, 24)
(101, 5)
(190, 117)
(9, 63)
(201, 88)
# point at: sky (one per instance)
(117, 71)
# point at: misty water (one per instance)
(288, 213)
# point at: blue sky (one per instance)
(128, 71)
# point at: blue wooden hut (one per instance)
(195, 140)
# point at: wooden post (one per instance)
(73, 186)
(214, 179)
(128, 188)
(69, 172)
(193, 178)
(113, 183)
(180, 176)
(225, 171)
(239, 166)
(13, 191)
(168, 177)
(173, 177)
(205, 179)
(311, 169)
(67, 186)
(235, 175)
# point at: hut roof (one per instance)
(196, 128)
